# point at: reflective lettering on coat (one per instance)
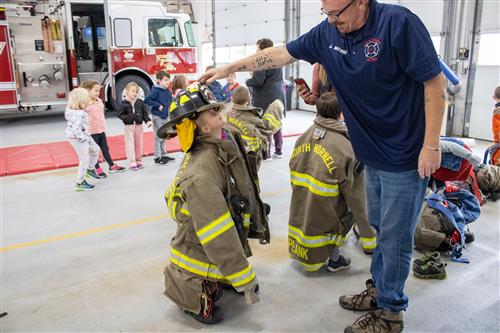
(238, 124)
(298, 250)
(325, 156)
(303, 148)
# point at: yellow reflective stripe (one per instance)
(248, 138)
(368, 243)
(170, 197)
(311, 267)
(246, 221)
(209, 270)
(253, 143)
(194, 266)
(314, 185)
(215, 228)
(242, 277)
(185, 211)
(314, 241)
(269, 117)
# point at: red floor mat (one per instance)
(58, 155)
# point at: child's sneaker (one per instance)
(431, 270)
(278, 155)
(116, 168)
(159, 161)
(84, 186)
(92, 173)
(101, 173)
(140, 165)
(167, 159)
(340, 264)
(133, 168)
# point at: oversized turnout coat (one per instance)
(328, 194)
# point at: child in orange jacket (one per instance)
(495, 126)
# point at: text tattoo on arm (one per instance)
(262, 59)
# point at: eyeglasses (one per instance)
(336, 16)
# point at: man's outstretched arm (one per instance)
(273, 57)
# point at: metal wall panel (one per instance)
(244, 22)
(487, 78)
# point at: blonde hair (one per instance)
(130, 85)
(89, 84)
(78, 99)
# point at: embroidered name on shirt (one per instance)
(338, 49)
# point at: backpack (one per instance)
(443, 220)
(492, 155)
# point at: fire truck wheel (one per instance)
(121, 83)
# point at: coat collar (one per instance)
(331, 124)
(226, 149)
(247, 108)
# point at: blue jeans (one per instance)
(394, 201)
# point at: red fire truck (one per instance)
(48, 47)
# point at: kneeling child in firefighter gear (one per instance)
(328, 193)
(215, 202)
(254, 124)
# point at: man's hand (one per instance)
(215, 74)
(428, 162)
(308, 96)
(149, 124)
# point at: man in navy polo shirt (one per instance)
(383, 66)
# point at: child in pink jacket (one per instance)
(97, 125)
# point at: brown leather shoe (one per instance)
(378, 321)
(364, 301)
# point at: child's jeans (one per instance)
(160, 149)
(88, 153)
(278, 142)
(133, 143)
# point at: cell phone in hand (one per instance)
(301, 82)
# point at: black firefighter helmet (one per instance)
(188, 102)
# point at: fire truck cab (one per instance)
(52, 46)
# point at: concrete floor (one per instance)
(74, 262)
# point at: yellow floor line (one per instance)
(103, 229)
(82, 233)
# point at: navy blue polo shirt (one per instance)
(378, 73)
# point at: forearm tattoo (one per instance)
(241, 68)
(262, 59)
